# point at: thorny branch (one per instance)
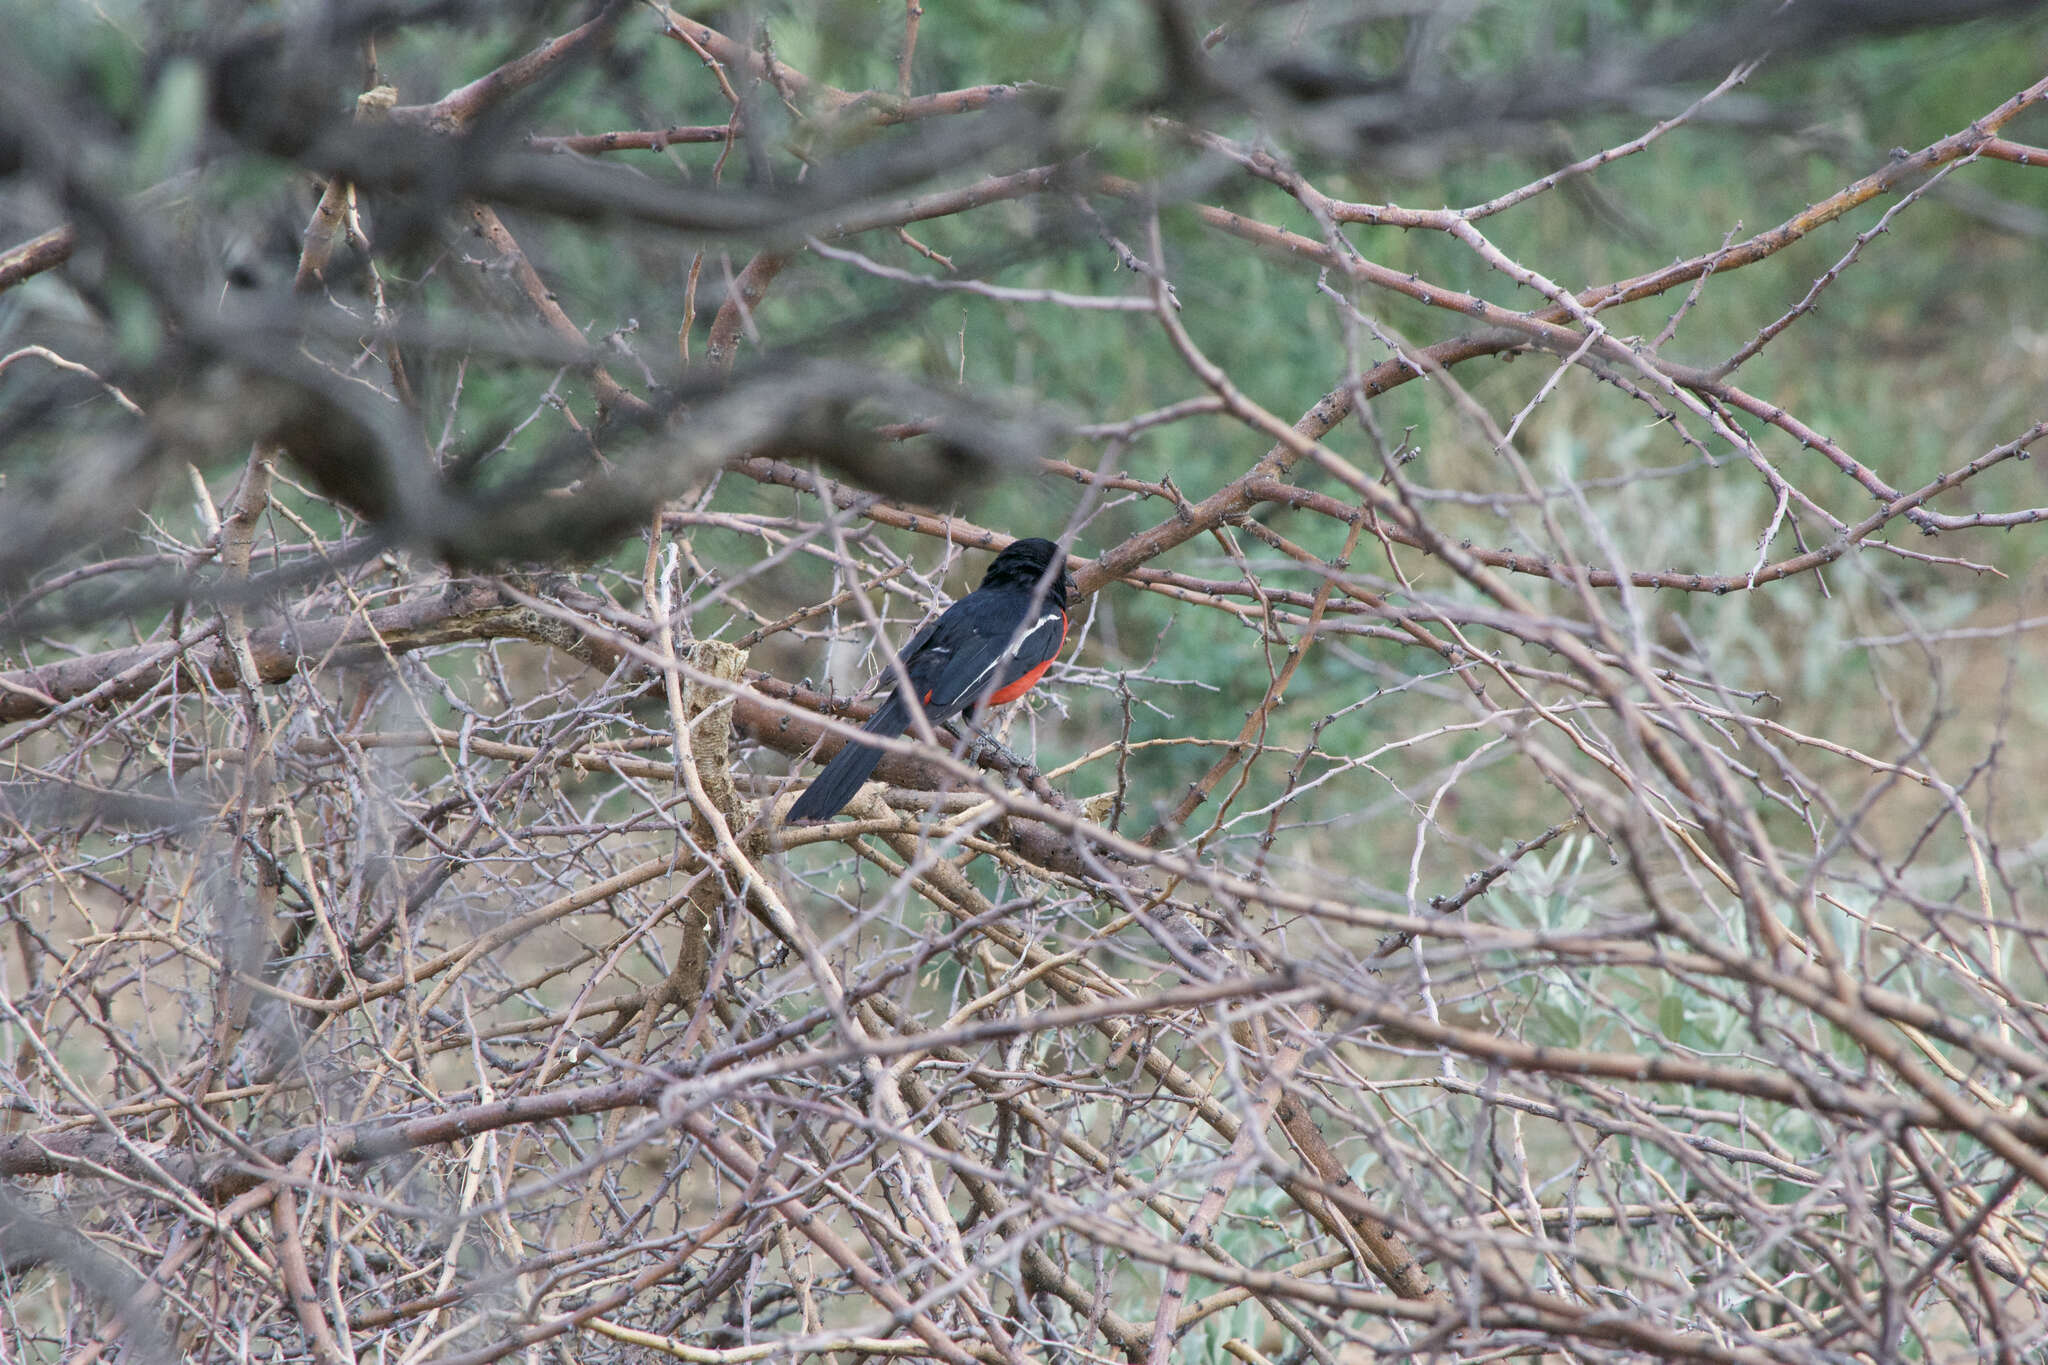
(1458, 949)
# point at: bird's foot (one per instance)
(985, 750)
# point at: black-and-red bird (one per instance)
(993, 643)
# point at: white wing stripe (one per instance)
(973, 689)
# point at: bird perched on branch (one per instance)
(988, 648)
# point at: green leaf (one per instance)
(170, 129)
(1671, 1016)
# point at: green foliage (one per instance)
(171, 126)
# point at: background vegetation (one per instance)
(1531, 847)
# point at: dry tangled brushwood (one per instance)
(1459, 892)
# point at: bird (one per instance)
(989, 648)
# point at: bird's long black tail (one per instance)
(835, 786)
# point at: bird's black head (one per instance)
(1024, 564)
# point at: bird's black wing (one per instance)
(983, 662)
